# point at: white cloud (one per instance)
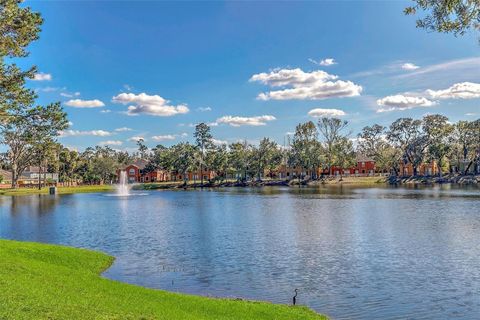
(471, 114)
(245, 121)
(72, 133)
(136, 138)
(42, 77)
(149, 104)
(70, 123)
(123, 129)
(166, 137)
(463, 90)
(110, 143)
(218, 142)
(79, 103)
(69, 95)
(325, 62)
(105, 111)
(402, 102)
(319, 112)
(127, 87)
(409, 66)
(315, 85)
(204, 109)
(466, 66)
(48, 89)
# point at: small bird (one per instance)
(295, 297)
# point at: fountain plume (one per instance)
(122, 188)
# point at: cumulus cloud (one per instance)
(136, 138)
(166, 137)
(315, 85)
(153, 105)
(79, 103)
(402, 102)
(409, 66)
(319, 112)
(123, 129)
(110, 143)
(42, 77)
(236, 121)
(463, 90)
(72, 133)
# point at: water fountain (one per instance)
(122, 188)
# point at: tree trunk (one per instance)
(439, 165)
(396, 171)
(39, 177)
(468, 168)
(415, 171)
(201, 174)
(14, 177)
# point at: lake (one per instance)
(353, 253)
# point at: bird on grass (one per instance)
(295, 297)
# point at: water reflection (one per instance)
(354, 253)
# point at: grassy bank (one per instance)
(39, 281)
(353, 181)
(60, 190)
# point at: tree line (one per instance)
(328, 144)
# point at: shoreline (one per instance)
(433, 180)
(59, 282)
(328, 181)
(461, 180)
(60, 190)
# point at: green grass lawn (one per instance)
(39, 281)
(60, 190)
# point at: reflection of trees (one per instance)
(44, 204)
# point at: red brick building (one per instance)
(425, 169)
(195, 175)
(136, 174)
(365, 165)
(134, 171)
(156, 176)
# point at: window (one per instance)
(131, 171)
(363, 164)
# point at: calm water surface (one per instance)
(366, 253)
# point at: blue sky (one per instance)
(249, 69)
